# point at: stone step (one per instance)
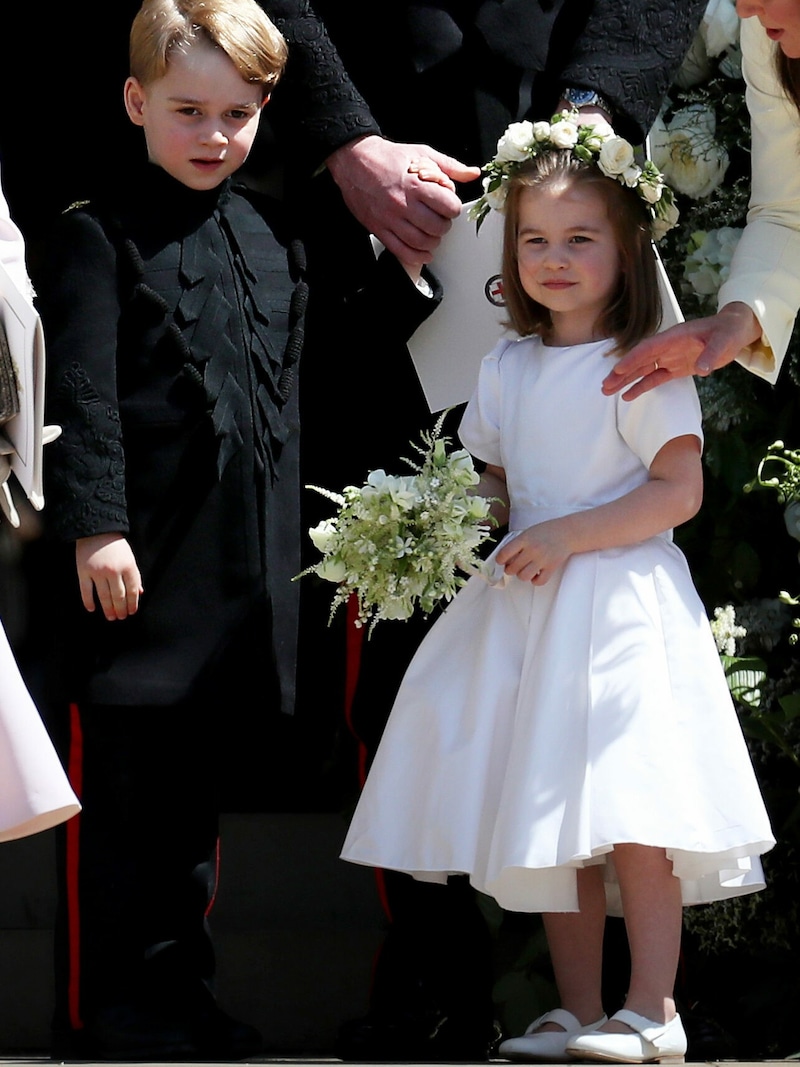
(296, 932)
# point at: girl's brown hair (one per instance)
(789, 76)
(635, 309)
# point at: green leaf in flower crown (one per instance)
(745, 676)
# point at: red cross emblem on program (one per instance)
(493, 291)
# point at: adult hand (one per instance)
(393, 191)
(106, 565)
(696, 347)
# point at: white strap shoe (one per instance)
(549, 1046)
(650, 1042)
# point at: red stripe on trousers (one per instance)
(354, 646)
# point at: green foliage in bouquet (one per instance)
(398, 542)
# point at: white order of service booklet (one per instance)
(448, 347)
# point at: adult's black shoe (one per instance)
(428, 1036)
(131, 1032)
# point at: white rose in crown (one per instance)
(631, 177)
(616, 156)
(495, 198)
(513, 146)
(589, 142)
(564, 134)
(601, 131)
(651, 191)
(667, 215)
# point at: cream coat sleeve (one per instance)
(765, 272)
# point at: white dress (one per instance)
(35, 793)
(537, 726)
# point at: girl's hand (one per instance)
(428, 170)
(107, 567)
(536, 553)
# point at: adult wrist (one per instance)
(746, 320)
(578, 98)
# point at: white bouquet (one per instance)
(397, 542)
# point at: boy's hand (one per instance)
(106, 566)
(535, 554)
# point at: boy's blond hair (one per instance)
(239, 27)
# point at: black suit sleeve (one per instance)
(79, 305)
(315, 108)
(629, 52)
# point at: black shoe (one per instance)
(128, 1032)
(429, 1036)
(225, 1038)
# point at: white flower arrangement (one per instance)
(398, 542)
(719, 29)
(589, 142)
(708, 264)
(726, 630)
(687, 152)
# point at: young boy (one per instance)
(173, 327)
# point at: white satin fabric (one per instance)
(34, 791)
(538, 726)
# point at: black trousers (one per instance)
(137, 869)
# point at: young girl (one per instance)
(565, 735)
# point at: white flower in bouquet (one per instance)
(691, 159)
(397, 543)
(725, 630)
(719, 28)
(708, 264)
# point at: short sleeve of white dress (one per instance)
(480, 425)
(645, 424)
(668, 411)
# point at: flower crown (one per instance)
(591, 143)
